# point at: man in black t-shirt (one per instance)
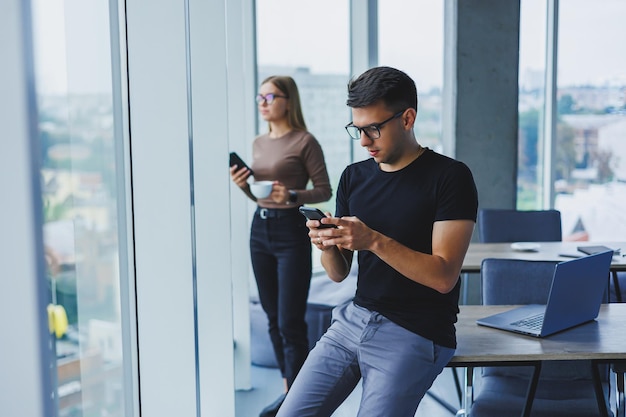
(410, 213)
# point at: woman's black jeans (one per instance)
(280, 249)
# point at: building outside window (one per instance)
(590, 177)
(82, 197)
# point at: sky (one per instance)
(590, 47)
(315, 34)
(72, 45)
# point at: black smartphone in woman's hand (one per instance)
(313, 213)
(236, 160)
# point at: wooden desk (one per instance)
(602, 340)
(548, 251)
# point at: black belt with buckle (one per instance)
(269, 213)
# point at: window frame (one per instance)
(27, 382)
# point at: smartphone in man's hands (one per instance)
(235, 159)
(313, 213)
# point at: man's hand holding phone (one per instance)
(352, 235)
(314, 224)
(313, 213)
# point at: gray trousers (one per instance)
(397, 367)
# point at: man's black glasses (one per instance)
(268, 98)
(371, 131)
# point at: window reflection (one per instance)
(79, 173)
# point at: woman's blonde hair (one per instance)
(288, 87)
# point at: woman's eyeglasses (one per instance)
(268, 98)
(371, 131)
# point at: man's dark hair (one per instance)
(391, 86)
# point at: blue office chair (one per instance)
(618, 287)
(565, 388)
(618, 294)
(505, 225)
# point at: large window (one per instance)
(531, 103)
(83, 199)
(588, 161)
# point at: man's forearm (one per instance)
(337, 263)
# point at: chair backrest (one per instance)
(505, 225)
(514, 281)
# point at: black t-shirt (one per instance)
(403, 205)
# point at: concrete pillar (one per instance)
(487, 58)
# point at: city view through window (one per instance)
(82, 198)
(590, 145)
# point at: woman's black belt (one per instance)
(270, 213)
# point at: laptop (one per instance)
(576, 294)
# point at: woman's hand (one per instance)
(280, 193)
(240, 176)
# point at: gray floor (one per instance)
(267, 385)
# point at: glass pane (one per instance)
(417, 25)
(591, 128)
(531, 103)
(289, 42)
(81, 201)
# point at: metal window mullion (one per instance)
(448, 133)
(126, 263)
(550, 112)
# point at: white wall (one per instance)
(179, 94)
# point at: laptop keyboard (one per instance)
(532, 322)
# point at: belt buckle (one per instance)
(263, 213)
